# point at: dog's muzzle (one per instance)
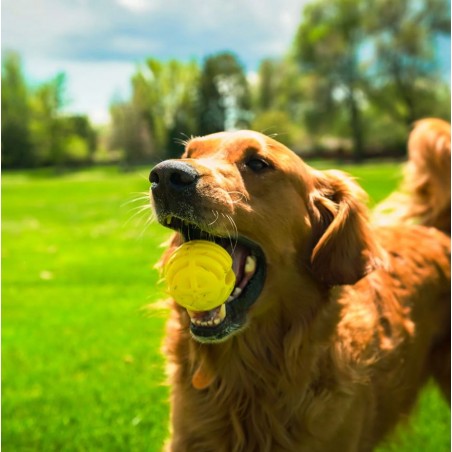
(173, 187)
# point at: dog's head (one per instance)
(281, 221)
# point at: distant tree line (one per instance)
(351, 85)
(353, 82)
(34, 130)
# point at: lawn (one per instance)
(81, 359)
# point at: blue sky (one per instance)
(98, 43)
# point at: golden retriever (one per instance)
(334, 326)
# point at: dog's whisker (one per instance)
(215, 213)
(143, 196)
(136, 199)
(241, 194)
(136, 211)
(142, 207)
(183, 141)
(148, 222)
(227, 231)
(143, 212)
(140, 210)
(234, 239)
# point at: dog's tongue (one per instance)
(239, 254)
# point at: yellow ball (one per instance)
(199, 275)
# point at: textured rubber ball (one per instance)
(199, 275)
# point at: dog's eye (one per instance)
(257, 164)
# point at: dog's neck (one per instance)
(274, 364)
(286, 340)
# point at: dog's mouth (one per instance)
(249, 267)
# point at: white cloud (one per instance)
(97, 43)
(137, 6)
(91, 30)
(35, 27)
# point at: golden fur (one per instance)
(351, 322)
(425, 193)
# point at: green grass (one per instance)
(81, 359)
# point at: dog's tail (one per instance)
(425, 191)
(427, 174)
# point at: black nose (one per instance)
(173, 175)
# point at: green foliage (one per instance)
(328, 43)
(161, 112)
(224, 96)
(281, 86)
(34, 130)
(16, 114)
(48, 127)
(278, 124)
(173, 101)
(352, 82)
(403, 35)
(372, 66)
(166, 97)
(129, 132)
(81, 362)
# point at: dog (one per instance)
(334, 325)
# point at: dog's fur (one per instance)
(352, 320)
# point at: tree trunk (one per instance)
(356, 127)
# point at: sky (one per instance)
(98, 44)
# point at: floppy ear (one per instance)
(344, 249)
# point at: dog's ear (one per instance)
(344, 249)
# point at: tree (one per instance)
(49, 130)
(268, 85)
(224, 96)
(130, 133)
(34, 129)
(279, 100)
(165, 94)
(405, 66)
(80, 126)
(17, 149)
(328, 44)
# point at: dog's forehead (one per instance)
(234, 145)
(229, 143)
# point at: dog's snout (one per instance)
(173, 175)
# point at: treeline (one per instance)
(352, 83)
(34, 130)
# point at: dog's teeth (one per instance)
(250, 264)
(219, 317)
(168, 219)
(222, 313)
(236, 292)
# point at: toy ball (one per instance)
(199, 275)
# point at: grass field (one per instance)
(81, 363)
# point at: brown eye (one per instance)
(257, 164)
